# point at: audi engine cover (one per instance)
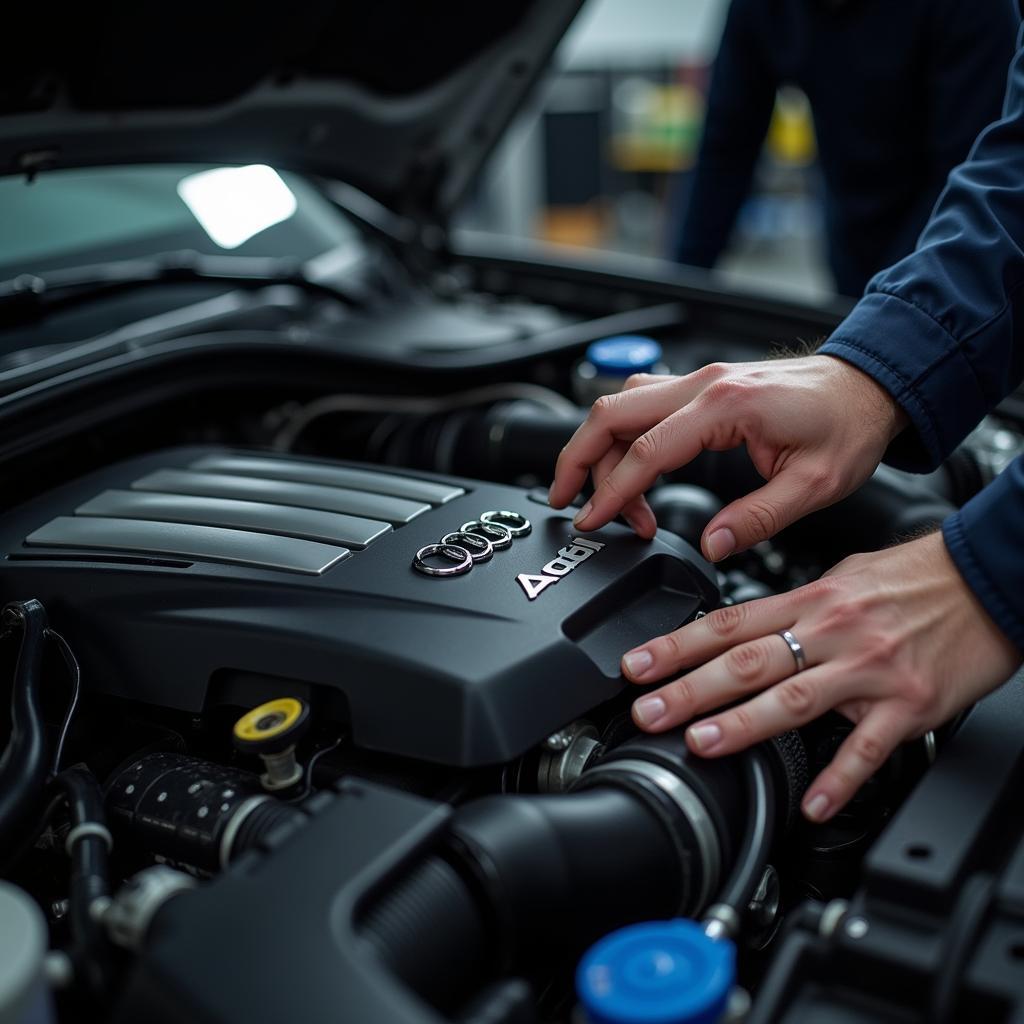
(199, 577)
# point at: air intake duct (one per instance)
(523, 881)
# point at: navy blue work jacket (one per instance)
(899, 90)
(943, 332)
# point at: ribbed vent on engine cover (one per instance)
(270, 513)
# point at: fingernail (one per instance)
(637, 662)
(721, 544)
(817, 807)
(704, 737)
(648, 710)
(550, 489)
(581, 516)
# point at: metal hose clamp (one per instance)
(709, 849)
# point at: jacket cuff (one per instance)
(924, 369)
(982, 541)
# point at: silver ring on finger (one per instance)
(796, 649)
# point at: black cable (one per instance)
(25, 763)
(757, 838)
(76, 688)
(310, 765)
(88, 844)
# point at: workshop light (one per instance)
(234, 203)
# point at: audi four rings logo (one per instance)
(476, 541)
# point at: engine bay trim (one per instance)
(306, 523)
(332, 476)
(211, 543)
(396, 511)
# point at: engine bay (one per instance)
(348, 738)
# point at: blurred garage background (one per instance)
(603, 158)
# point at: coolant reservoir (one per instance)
(608, 363)
(658, 972)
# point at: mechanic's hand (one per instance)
(815, 427)
(894, 640)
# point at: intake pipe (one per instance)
(524, 881)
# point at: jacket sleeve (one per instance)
(938, 329)
(740, 103)
(986, 541)
(942, 332)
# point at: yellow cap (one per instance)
(268, 720)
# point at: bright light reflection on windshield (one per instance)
(234, 203)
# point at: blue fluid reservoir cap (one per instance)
(661, 972)
(624, 354)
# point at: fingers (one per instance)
(764, 512)
(863, 752)
(645, 400)
(640, 380)
(671, 442)
(636, 512)
(747, 668)
(641, 517)
(612, 418)
(709, 636)
(796, 701)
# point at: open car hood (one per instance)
(401, 100)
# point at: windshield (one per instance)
(71, 217)
(114, 242)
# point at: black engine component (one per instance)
(191, 813)
(501, 883)
(183, 595)
(201, 580)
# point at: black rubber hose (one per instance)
(430, 930)
(89, 847)
(25, 764)
(560, 871)
(268, 817)
(758, 836)
(538, 878)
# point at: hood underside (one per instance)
(401, 100)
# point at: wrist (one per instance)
(871, 401)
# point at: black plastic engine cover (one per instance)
(465, 670)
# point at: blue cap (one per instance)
(624, 354)
(660, 972)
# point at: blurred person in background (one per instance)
(898, 92)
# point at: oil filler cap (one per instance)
(659, 972)
(271, 731)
